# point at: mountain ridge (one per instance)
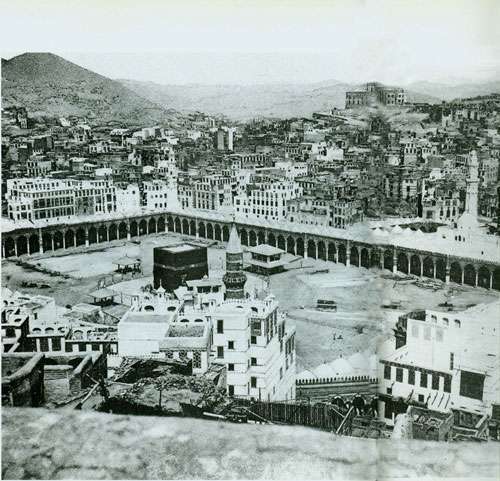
(49, 85)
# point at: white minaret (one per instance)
(472, 185)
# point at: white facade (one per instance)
(451, 361)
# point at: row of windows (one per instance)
(423, 382)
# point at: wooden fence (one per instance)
(321, 415)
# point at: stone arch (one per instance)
(113, 232)
(428, 267)
(441, 269)
(496, 279)
(281, 243)
(210, 231)
(402, 263)
(244, 237)
(365, 258)
(122, 230)
(152, 225)
(22, 245)
(192, 228)
(388, 260)
(470, 275)
(261, 237)
(103, 232)
(456, 272)
(217, 232)
(34, 242)
(143, 225)
(300, 247)
(80, 236)
(58, 239)
(331, 251)
(69, 238)
(322, 250)
(342, 254)
(271, 239)
(47, 241)
(483, 277)
(225, 233)
(311, 249)
(170, 223)
(202, 231)
(185, 226)
(415, 265)
(252, 238)
(354, 257)
(134, 228)
(177, 225)
(375, 257)
(92, 235)
(9, 247)
(291, 244)
(160, 225)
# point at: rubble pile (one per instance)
(169, 394)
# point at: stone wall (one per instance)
(60, 444)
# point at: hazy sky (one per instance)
(233, 41)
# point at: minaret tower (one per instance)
(472, 185)
(234, 278)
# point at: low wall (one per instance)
(42, 444)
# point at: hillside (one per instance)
(48, 85)
(246, 101)
(451, 92)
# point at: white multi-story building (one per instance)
(42, 198)
(447, 361)
(159, 195)
(267, 197)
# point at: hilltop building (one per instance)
(373, 94)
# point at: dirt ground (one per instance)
(360, 320)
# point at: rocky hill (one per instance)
(66, 444)
(48, 85)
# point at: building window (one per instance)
(427, 333)
(253, 340)
(439, 335)
(95, 347)
(471, 385)
(197, 359)
(220, 352)
(423, 379)
(56, 344)
(230, 367)
(457, 323)
(169, 354)
(44, 344)
(452, 361)
(447, 384)
(253, 361)
(435, 382)
(387, 371)
(411, 376)
(182, 354)
(68, 347)
(414, 330)
(399, 374)
(253, 381)
(281, 373)
(230, 344)
(230, 390)
(220, 326)
(420, 398)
